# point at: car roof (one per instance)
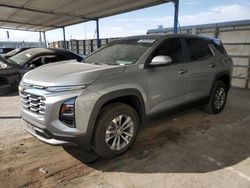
(142, 37)
(60, 50)
(35, 51)
(162, 36)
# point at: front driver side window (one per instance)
(35, 63)
(49, 59)
(172, 48)
(42, 60)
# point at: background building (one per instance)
(8, 45)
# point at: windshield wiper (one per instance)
(101, 63)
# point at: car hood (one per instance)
(69, 73)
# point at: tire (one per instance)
(5, 89)
(217, 99)
(111, 120)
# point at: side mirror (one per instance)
(79, 60)
(32, 66)
(161, 60)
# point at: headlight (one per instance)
(65, 88)
(20, 88)
(67, 112)
(3, 65)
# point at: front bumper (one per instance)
(44, 135)
(49, 129)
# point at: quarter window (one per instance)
(198, 49)
(219, 46)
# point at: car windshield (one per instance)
(20, 58)
(120, 52)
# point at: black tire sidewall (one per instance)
(211, 104)
(106, 115)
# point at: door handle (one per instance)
(212, 65)
(182, 71)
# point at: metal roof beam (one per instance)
(26, 23)
(64, 39)
(176, 15)
(2, 27)
(45, 12)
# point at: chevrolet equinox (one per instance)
(101, 103)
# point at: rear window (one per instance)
(198, 49)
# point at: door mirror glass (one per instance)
(32, 66)
(161, 60)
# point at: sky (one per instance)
(137, 22)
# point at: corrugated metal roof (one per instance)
(40, 15)
(202, 26)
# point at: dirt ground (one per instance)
(185, 149)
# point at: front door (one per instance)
(167, 86)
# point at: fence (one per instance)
(82, 47)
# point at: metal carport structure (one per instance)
(42, 16)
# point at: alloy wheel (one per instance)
(219, 98)
(119, 132)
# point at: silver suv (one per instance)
(101, 103)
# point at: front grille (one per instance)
(33, 103)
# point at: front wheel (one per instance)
(217, 99)
(117, 127)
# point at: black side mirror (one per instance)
(32, 66)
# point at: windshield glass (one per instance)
(20, 58)
(121, 52)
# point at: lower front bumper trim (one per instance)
(50, 141)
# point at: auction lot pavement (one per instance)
(185, 149)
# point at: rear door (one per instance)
(167, 86)
(202, 64)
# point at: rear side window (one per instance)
(49, 59)
(61, 58)
(198, 49)
(171, 48)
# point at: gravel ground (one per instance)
(184, 149)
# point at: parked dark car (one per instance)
(12, 70)
(13, 52)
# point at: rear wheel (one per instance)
(217, 98)
(116, 130)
